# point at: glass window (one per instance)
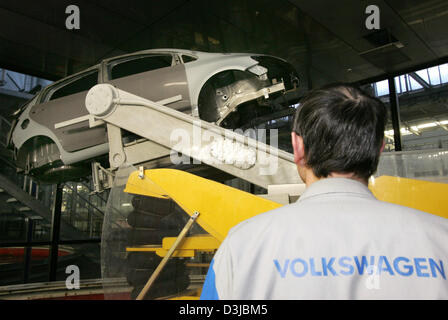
(382, 88)
(423, 116)
(83, 211)
(139, 65)
(423, 74)
(403, 85)
(86, 257)
(12, 227)
(414, 84)
(17, 81)
(444, 72)
(434, 75)
(12, 262)
(423, 113)
(81, 84)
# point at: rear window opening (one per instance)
(139, 65)
(187, 59)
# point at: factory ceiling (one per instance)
(326, 41)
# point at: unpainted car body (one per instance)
(212, 86)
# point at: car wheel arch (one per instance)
(208, 80)
(32, 143)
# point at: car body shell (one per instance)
(79, 142)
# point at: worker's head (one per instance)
(338, 130)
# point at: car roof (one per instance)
(199, 54)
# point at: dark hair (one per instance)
(342, 129)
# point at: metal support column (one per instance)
(28, 249)
(55, 232)
(395, 113)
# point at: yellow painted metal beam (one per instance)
(221, 207)
(187, 248)
(423, 195)
(179, 253)
(199, 242)
(144, 187)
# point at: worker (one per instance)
(337, 241)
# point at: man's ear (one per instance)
(299, 148)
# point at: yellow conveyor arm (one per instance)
(431, 197)
(222, 207)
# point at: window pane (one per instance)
(85, 256)
(12, 227)
(404, 85)
(423, 74)
(444, 72)
(140, 65)
(81, 211)
(434, 76)
(414, 84)
(12, 262)
(420, 114)
(39, 265)
(382, 91)
(82, 84)
(397, 84)
(382, 88)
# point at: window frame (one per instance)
(46, 97)
(112, 63)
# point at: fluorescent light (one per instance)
(427, 125)
(405, 131)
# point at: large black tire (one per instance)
(147, 236)
(152, 205)
(146, 220)
(152, 220)
(172, 270)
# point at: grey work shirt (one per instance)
(336, 242)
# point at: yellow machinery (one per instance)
(418, 194)
(219, 207)
(142, 227)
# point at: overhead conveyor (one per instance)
(164, 133)
(169, 132)
(166, 136)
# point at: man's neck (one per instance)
(309, 177)
(349, 176)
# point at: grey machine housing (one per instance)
(228, 89)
